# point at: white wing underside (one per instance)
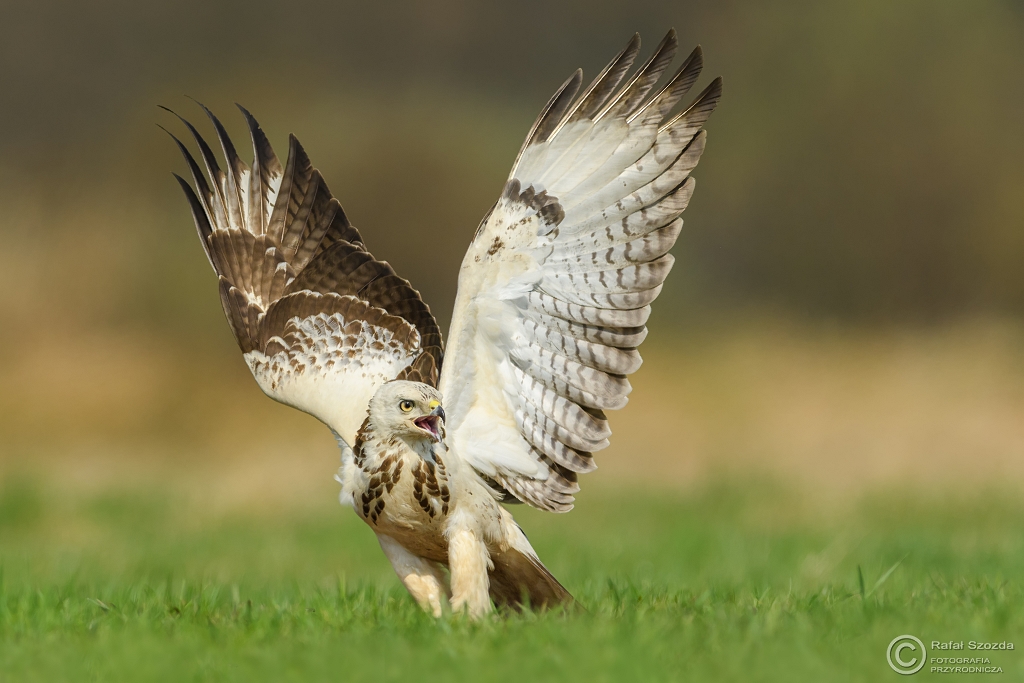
(555, 290)
(330, 367)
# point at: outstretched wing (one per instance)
(320, 321)
(555, 290)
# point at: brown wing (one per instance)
(320, 321)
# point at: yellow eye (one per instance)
(406, 405)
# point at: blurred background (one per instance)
(845, 311)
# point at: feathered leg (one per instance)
(469, 562)
(422, 578)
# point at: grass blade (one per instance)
(883, 578)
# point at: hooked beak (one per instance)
(431, 423)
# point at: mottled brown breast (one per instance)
(386, 460)
(383, 473)
(430, 486)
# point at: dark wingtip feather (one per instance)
(222, 134)
(245, 113)
(190, 160)
(261, 145)
(235, 168)
(255, 130)
(205, 196)
(208, 157)
(636, 90)
(698, 53)
(707, 99)
(559, 104)
(677, 86)
(199, 216)
(603, 86)
(551, 114)
(710, 95)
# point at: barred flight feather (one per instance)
(623, 338)
(635, 278)
(646, 195)
(567, 436)
(582, 256)
(558, 282)
(608, 359)
(588, 315)
(571, 390)
(577, 375)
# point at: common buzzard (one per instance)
(554, 294)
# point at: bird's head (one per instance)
(408, 409)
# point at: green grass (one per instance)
(731, 582)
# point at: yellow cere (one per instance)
(433, 404)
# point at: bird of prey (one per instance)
(553, 297)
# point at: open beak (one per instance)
(431, 423)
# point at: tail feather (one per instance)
(520, 579)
